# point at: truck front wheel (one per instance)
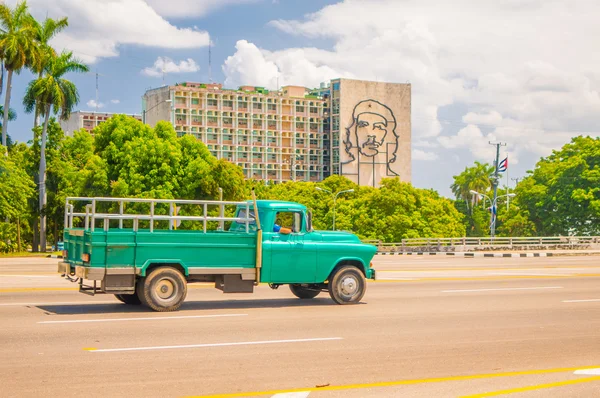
(347, 286)
(304, 292)
(163, 290)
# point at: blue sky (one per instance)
(522, 72)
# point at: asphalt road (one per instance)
(429, 327)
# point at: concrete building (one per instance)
(86, 120)
(354, 128)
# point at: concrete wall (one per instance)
(156, 108)
(71, 125)
(375, 131)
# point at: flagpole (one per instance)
(507, 188)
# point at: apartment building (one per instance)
(273, 135)
(358, 129)
(86, 120)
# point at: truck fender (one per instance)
(145, 269)
(354, 261)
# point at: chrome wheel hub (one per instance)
(165, 289)
(349, 286)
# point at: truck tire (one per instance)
(347, 286)
(131, 299)
(304, 292)
(163, 290)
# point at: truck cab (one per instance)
(264, 242)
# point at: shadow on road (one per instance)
(74, 309)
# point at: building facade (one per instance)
(354, 128)
(86, 120)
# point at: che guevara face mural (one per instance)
(372, 135)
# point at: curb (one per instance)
(54, 256)
(472, 254)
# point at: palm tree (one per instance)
(43, 34)
(18, 48)
(53, 94)
(476, 178)
(12, 115)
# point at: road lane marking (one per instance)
(58, 303)
(143, 319)
(59, 289)
(501, 289)
(302, 394)
(526, 273)
(487, 278)
(533, 388)
(595, 372)
(26, 276)
(580, 301)
(169, 347)
(398, 382)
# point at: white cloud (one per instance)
(191, 8)
(93, 104)
(518, 78)
(418, 154)
(115, 101)
(167, 65)
(98, 27)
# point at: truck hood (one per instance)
(338, 236)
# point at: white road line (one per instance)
(168, 347)
(580, 301)
(27, 276)
(156, 318)
(595, 371)
(58, 303)
(524, 273)
(301, 394)
(501, 289)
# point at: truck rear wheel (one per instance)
(131, 299)
(347, 286)
(303, 292)
(163, 290)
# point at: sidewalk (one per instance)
(504, 254)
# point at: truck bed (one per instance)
(126, 248)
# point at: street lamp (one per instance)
(494, 207)
(152, 107)
(334, 199)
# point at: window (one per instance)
(289, 219)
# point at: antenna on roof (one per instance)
(209, 61)
(97, 74)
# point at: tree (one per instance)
(54, 94)
(15, 189)
(474, 178)
(43, 33)
(562, 193)
(18, 48)
(12, 115)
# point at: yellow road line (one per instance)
(61, 289)
(425, 269)
(533, 388)
(399, 382)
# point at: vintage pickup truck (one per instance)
(140, 250)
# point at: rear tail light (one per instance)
(85, 257)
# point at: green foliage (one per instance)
(8, 237)
(18, 46)
(134, 160)
(15, 189)
(562, 194)
(476, 178)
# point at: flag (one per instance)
(503, 165)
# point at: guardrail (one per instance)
(489, 244)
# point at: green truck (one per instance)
(146, 251)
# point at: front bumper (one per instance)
(371, 274)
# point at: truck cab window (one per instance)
(289, 219)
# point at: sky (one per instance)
(520, 72)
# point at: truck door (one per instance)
(293, 259)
